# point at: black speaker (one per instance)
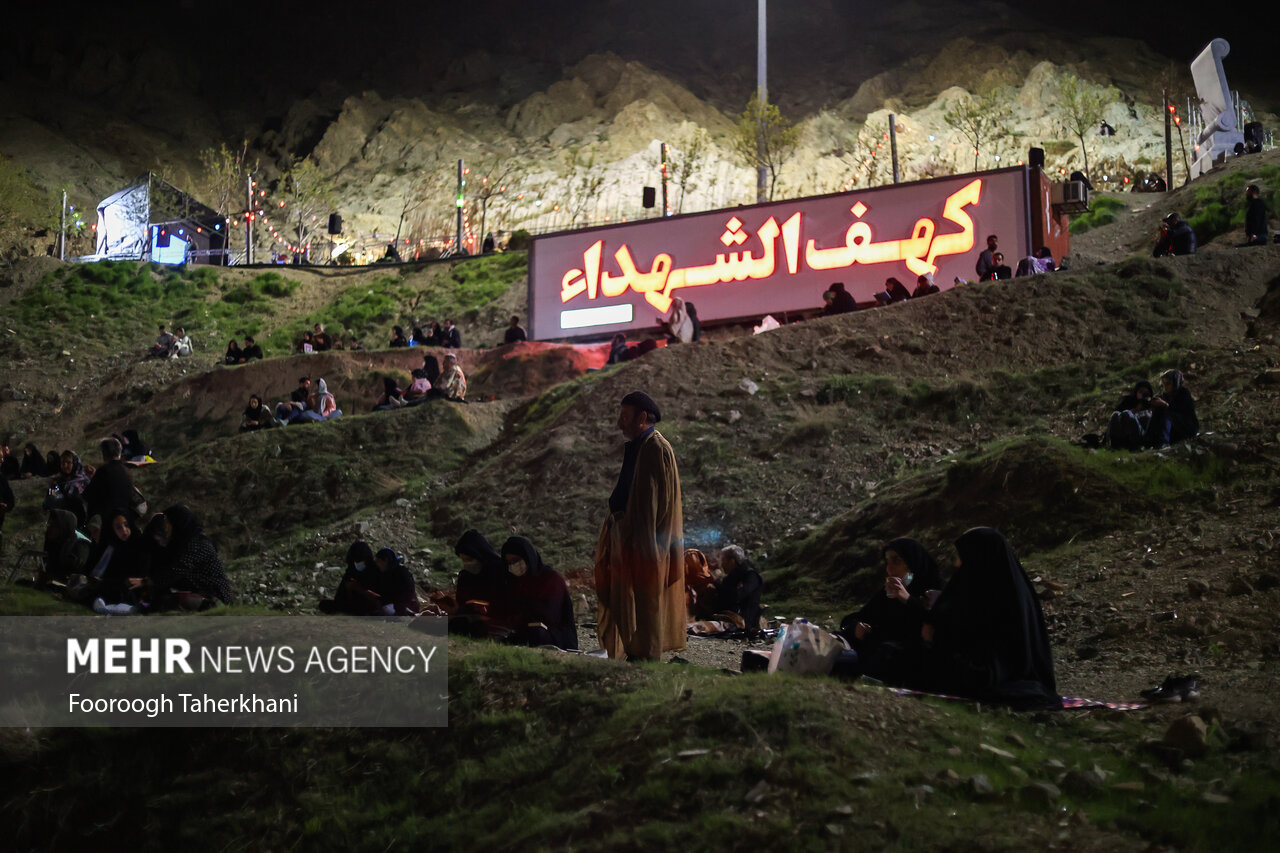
(335, 223)
(1036, 158)
(650, 197)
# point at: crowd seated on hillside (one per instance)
(237, 354)
(981, 635)
(1143, 418)
(511, 596)
(108, 563)
(374, 585)
(307, 404)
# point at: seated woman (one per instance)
(699, 585)
(34, 464)
(887, 628)
(397, 337)
(118, 555)
(540, 612)
(677, 324)
(193, 577)
(357, 592)
(738, 591)
(66, 550)
(132, 447)
(1132, 416)
(397, 591)
(1173, 412)
(321, 406)
(894, 291)
(618, 350)
(424, 379)
(924, 286)
(985, 634)
(182, 346)
(483, 585)
(256, 416)
(392, 397)
(452, 382)
(233, 354)
(68, 484)
(837, 300)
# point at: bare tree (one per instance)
(1082, 108)
(308, 195)
(585, 183)
(763, 137)
(686, 161)
(222, 183)
(980, 120)
(490, 182)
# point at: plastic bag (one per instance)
(803, 648)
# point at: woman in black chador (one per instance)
(541, 612)
(886, 631)
(987, 631)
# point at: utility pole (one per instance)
(762, 88)
(666, 177)
(248, 218)
(62, 244)
(462, 183)
(1168, 143)
(893, 144)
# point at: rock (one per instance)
(1239, 586)
(1197, 588)
(1216, 799)
(997, 751)
(835, 829)
(748, 388)
(808, 392)
(1082, 783)
(1270, 376)
(1266, 581)
(1015, 739)
(948, 775)
(1042, 794)
(404, 503)
(980, 786)
(758, 792)
(734, 416)
(1188, 734)
(1129, 786)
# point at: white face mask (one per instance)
(518, 569)
(469, 565)
(359, 567)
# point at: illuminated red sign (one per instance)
(774, 257)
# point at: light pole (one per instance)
(762, 89)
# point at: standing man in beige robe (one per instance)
(639, 562)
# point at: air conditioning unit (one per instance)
(1071, 197)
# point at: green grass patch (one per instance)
(1102, 211)
(1218, 207)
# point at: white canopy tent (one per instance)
(153, 220)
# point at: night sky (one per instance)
(261, 55)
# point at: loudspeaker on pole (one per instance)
(1036, 158)
(335, 223)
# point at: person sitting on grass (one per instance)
(132, 447)
(321, 340)
(894, 291)
(423, 381)
(1176, 237)
(924, 286)
(194, 577)
(541, 612)
(677, 324)
(985, 635)
(452, 382)
(307, 344)
(483, 585)
(163, 347)
(34, 463)
(1173, 412)
(289, 409)
(7, 503)
(357, 592)
(182, 346)
(738, 591)
(514, 334)
(396, 587)
(699, 585)
(886, 630)
(1127, 429)
(392, 396)
(321, 406)
(999, 269)
(117, 556)
(250, 350)
(397, 337)
(256, 416)
(111, 485)
(234, 355)
(618, 349)
(66, 549)
(837, 300)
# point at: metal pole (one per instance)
(248, 218)
(62, 245)
(666, 208)
(893, 144)
(457, 245)
(762, 90)
(1168, 143)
